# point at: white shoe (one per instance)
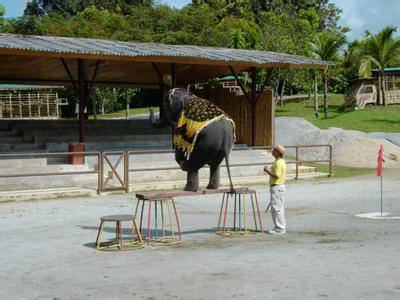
(274, 231)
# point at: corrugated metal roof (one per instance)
(99, 47)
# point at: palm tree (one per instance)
(327, 46)
(381, 51)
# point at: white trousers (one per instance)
(277, 193)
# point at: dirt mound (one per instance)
(350, 148)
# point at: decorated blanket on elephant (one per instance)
(199, 114)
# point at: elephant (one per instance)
(203, 135)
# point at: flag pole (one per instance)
(381, 196)
(379, 173)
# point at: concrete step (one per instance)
(9, 133)
(20, 163)
(52, 181)
(100, 137)
(117, 145)
(18, 147)
(27, 168)
(44, 194)
(11, 139)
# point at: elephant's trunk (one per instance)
(156, 124)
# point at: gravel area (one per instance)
(47, 249)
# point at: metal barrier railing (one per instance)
(124, 155)
(297, 161)
(97, 171)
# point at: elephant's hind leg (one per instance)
(215, 173)
(192, 183)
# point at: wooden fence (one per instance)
(239, 109)
(30, 105)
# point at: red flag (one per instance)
(380, 159)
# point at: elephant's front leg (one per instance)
(214, 177)
(180, 158)
(192, 183)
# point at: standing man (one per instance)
(277, 176)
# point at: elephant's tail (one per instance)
(229, 170)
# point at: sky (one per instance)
(358, 15)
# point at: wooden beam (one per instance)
(160, 78)
(94, 76)
(69, 74)
(82, 96)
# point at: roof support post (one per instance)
(82, 99)
(173, 85)
(254, 99)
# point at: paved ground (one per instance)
(47, 252)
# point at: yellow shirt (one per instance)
(279, 169)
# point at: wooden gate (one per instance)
(114, 171)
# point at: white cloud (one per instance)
(371, 15)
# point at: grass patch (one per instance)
(381, 118)
(341, 172)
(121, 113)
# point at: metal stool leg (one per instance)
(244, 214)
(171, 224)
(141, 216)
(254, 212)
(220, 212)
(258, 212)
(177, 220)
(99, 233)
(149, 224)
(155, 220)
(226, 209)
(136, 229)
(162, 221)
(234, 214)
(119, 224)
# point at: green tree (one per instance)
(381, 50)
(3, 22)
(70, 8)
(246, 32)
(327, 46)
